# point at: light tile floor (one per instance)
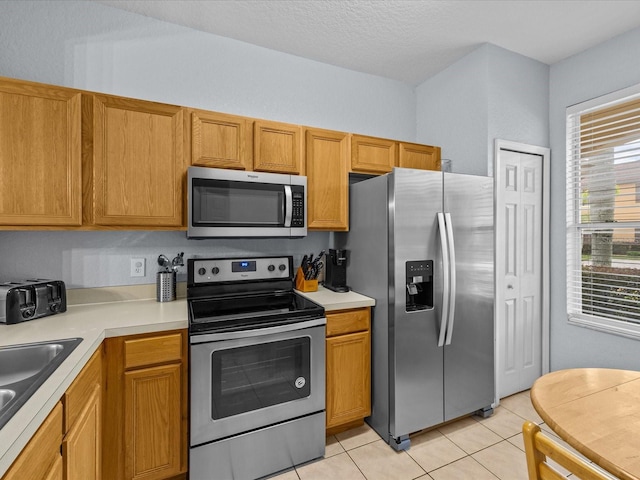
(472, 448)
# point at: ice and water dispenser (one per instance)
(419, 280)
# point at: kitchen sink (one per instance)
(23, 368)
(5, 397)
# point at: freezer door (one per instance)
(416, 361)
(469, 352)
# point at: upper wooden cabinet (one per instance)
(277, 147)
(373, 155)
(40, 155)
(221, 141)
(327, 167)
(133, 162)
(413, 155)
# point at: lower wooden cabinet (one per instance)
(348, 360)
(123, 417)
(145, 436)
(41, 457)
(82, 445)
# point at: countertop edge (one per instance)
(332, 301)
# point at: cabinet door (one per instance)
(424, 157)
(138, 165)
(152, 431)
(56, 472)
(221, 141)
(81, 447)
(373, 155)
(40, 155)
(41, 455)
(327, 157)
(277, 147)
(348, 378)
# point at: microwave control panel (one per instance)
(297, 217)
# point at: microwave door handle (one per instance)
(288, 205)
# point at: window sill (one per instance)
(615, 327)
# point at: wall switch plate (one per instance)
(137, 267)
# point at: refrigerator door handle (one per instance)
(445, 271)
(452, 277)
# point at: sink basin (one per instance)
(5, 397)
(23, 368)
(24, 361)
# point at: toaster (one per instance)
(30, 299)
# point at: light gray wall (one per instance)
(518, 100)
(490, 93)
(608, 67)
(91, 46)
(452, 112)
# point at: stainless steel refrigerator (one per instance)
(422, 244)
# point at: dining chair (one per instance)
(540, 448)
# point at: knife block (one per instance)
(305, 285)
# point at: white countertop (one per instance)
(93, 323)
(331, 300)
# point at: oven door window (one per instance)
(253, 377)
(238, 204)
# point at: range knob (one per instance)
(271, 268)
(215, 270)
(28, 313)
(282, 267)
(202, 271)
(54, 307)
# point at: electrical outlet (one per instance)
(137, 267)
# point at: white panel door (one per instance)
(519, 302)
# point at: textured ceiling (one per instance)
(407, 40)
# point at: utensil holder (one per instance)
(165, 286)
(305, 285)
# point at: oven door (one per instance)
(245, 380)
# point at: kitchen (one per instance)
(108, 50)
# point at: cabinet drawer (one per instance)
(78, 394)
(347, 321)
(152, 350)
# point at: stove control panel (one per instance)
(208, 270)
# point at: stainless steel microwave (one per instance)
(232, 203)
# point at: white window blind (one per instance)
(603, 213)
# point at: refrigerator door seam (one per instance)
(446, 269)
(452, 277)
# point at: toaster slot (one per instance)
(26, 302)
(54, 297)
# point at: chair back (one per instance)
(539, 448)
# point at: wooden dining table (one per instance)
(597, 412)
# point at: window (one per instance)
(603, 213)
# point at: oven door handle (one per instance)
(256, 332)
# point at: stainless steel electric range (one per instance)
(257, 369)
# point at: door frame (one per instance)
(545, 154)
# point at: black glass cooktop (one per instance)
(250, 311)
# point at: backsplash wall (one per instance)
(100, 259)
